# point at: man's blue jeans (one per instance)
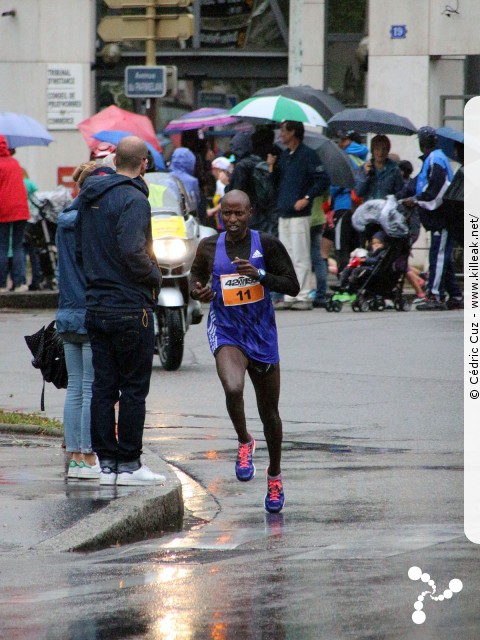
(319, 265)
(122, 353)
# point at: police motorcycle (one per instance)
(176, 234)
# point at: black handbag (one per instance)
(48, 353)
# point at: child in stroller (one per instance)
(362, 263)
(371, 279)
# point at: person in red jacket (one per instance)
(14, 214)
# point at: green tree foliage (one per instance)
(347, 16)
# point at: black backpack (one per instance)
(46, 347)
(262, 187)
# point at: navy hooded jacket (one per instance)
(114, 244)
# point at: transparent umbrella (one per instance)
(20, 130)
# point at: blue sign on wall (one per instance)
(398, 31)
(145, 82)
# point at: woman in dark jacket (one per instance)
(380, 176)
(78, 353)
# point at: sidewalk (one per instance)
(29, 300)
(40, 510)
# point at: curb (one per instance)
(31, 429)
(29, 300)
(144, 513)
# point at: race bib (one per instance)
(237, 289)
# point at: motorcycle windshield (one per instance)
(167, 195)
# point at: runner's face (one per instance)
(235, 216)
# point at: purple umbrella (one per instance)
(205, 117)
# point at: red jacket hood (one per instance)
(4, 152)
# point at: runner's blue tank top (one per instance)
(241, 313)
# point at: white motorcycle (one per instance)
(176, 234)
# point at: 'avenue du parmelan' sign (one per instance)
(145, 82)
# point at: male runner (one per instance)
(245, 266)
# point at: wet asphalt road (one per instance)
(373, 416)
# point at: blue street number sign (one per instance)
(145, 82)
(398, 31)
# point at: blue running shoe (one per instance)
(275, 498)
(244, 467)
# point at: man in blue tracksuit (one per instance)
(426, 192)
(114, 245)
(346, 238)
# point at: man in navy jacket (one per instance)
(114, 245)
(298, 181)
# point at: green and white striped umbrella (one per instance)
(277, 108)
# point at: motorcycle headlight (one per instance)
(170, 250)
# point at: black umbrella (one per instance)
(335, 162)
(321, 101)
(367, 120)
(447, 138)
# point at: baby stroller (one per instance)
(385, 280)
(41, 229)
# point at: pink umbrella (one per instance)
(113, 119)
(200, 118)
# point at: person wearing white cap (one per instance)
(222, 169)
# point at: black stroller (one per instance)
(40, 232)
(383, 281)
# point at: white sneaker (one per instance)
(73, 470)
(89, 472)
(20, 289)
(108, 477)
(144, 475)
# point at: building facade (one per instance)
(410, 57)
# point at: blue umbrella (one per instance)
(20, 130)
(447, 138)
(114, 137)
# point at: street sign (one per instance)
(145, 82)
(212, 99)
(130, 4)
(167, 27)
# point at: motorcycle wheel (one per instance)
(170, 338)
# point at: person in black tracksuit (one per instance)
(425, 193)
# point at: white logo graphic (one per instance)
(257, 254)
(454, 586)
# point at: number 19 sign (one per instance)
(398, 31)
